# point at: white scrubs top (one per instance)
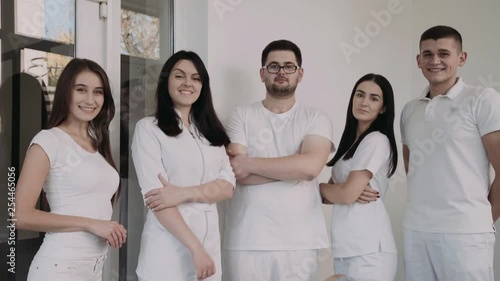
(361, 229)
(185, 160)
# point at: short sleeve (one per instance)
(146, 154)
(402, 122)
(322, 126)
(487, 112)
(372, 153)
(48, 142)
(226, 171)
(235, 127)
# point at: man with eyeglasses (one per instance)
(275, 223)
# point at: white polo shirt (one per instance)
(361, 229)
(448, 177)
(281, 215)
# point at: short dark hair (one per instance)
(281, 45)
(442, 31)
(202, 110)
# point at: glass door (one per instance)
(146, 42)
(37, 39)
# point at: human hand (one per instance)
(164, 197)
(112, 231)
(239, 163)
(368, 195)
(231, 153)
(326, 201)
(204, 265)
(323, 199)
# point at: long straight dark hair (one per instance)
(384, 124)
(99, 126)
(202, 111)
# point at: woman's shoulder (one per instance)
(376, 138)
(51, 135)
(148, 121)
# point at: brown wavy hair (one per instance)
(99, 126)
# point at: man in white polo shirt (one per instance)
(275, 223)
(450, 136)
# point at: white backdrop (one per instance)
(340, 41)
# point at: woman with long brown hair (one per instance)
(72, 162)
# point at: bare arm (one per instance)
(170, 195)
(305, 165)
(251, 179)
(347, 192)
(35, 169)
(406, 157)
(491, 143)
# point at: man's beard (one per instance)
(280, 92)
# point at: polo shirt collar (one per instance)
(452, 93)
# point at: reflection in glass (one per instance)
(140, 35)
(46, 19)
(46, 68)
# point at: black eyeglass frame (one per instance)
(296, 67)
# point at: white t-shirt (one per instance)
(79, 183)
(360, 229)
(185, 160)
(281, 215)
(448, 177)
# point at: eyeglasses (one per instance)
(275, 68)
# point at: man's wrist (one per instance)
(251, 165)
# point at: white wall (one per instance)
(191, 27)
(238, 30)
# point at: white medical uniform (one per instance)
(362, 240)
(277, 216)
(185, 160)
(79, 183)
(449, 232)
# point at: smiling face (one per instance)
(367, 102)
(439, 61)
(87, 97)
(184, 84)
(281, 84)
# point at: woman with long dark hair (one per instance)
(72, 162)
(362, 239)
(182, 148)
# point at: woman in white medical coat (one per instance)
(183, 170)
(362, 240)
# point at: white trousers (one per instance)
(448, 256)
(49, 269)
(270, 265)
(372, 267)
